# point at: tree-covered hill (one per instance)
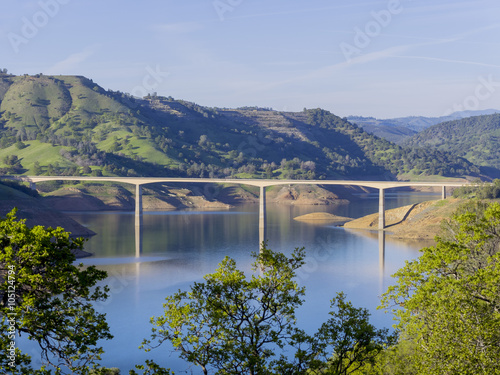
(474, 138)
(398, 130)
(70, 125)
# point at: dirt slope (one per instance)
(418, 221)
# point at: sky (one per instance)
(384, 59)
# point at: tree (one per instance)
(231, 324)
(44, 295)
(448, 301)
(37, 169)
(354, 342)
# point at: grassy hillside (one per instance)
(475, 138)
(70, 125)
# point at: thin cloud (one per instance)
(449, 61)
(301, 11)
(328, 71)
(72, 63)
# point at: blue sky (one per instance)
(371, 58)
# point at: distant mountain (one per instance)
(69, 125)
(475, 138)
(399, 129)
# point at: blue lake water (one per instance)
(179, 247)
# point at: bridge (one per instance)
(261, 183)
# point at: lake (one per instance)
(179, 247)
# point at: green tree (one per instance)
(37, 169)
(448, 301)
(48, 298)
(231, 324)
(354, 342)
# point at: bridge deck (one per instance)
(262, 184)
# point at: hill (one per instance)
(36, 211)
(475, 139)
(68, 125)
(398, 130)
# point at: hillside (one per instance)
(475, 138)
(420, 221)
(36, 211)
(398, 130)
(68, 125)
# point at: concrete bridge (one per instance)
(261, 183)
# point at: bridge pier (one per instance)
(138, 220)
(262, 215)
(138, 200)
(443, 192)
(381, 209)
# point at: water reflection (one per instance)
(381, 256)
(138, 234)
(168, 251)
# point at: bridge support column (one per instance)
(138, 220)
(32, 185)
(381, 209)
(138, 200)
(443, 193)
(262, 216)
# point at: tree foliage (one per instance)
(45, 296)
(447, 302)
(475, 138)
(480, 190)
(231, 324)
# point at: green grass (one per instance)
(44, 153)
(35, 101)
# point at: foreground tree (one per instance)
(46, 297)
(347, 342)
(447, 302)
(231, 324)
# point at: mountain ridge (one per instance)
(399, 129)
(70, 125)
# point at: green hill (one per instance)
(69, 125)
(475, 139)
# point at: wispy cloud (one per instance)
(303, 10)
(72, 63)
(439, 59)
